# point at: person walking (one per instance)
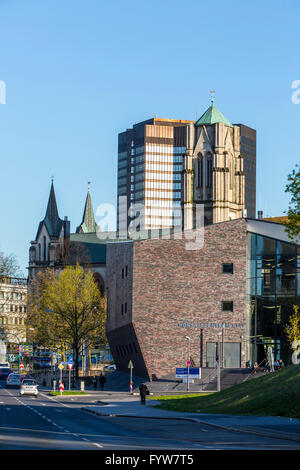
(95, 382)
(143, 392)
(102, 381)
(276, 365)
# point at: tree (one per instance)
(65, 308)
(292, 331)
(293, 188)
(9, 266)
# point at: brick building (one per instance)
(165, 300)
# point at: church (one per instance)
(55, 246)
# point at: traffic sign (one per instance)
(182, 372)
(188, 363)
(61, 366)
(70, 365)
(21, 366)
(61, 387)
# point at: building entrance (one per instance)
(232, 354)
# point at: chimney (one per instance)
(259, 214)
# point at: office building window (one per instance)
(227, 306)
(227, 268)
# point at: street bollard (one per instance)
(54, 385)
(82, 386)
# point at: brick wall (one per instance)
(169, 285)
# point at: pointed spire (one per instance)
(88, 224)
(51, 220)
(52, 212)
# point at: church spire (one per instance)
(51, 220)
(88, 224)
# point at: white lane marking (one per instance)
(98, 445)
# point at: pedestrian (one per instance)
(143, 392)
(95, 382)
(276, 365)
(255, 367)
(102, 381)
(281, 364)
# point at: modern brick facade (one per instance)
(159, 292)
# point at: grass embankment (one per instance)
(68, 393)
(274, 394)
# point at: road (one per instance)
(59, 423)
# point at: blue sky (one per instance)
(79, 72)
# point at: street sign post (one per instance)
(194, 373)
(70, 366)
(61, 366)
(130, 366)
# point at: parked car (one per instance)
(13, 380)
(110, 367)
(4, 372)
(29, 387)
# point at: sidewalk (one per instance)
(130, 406)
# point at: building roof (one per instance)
(92, 248)
(88, 223)
(51, 220)
(211, 116)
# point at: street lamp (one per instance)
(219, 365)
(188, 362)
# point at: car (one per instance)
(13, 380)
(29, 387)
(110, 367)
(4, 372)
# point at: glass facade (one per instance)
(273, 287)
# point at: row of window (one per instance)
(163, 194)
(162, 185)
(13, 308)
(12, 321)
(163, 211)
(163, 177)
(126, 350)
(12, 295)
(164, 158)
(169, 149)
(162, 167)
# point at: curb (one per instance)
(198, 421)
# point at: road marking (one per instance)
(8, 409)
(98, 445)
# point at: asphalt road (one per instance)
(59, 423)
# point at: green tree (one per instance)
(66, 310)
(293, 213)
(292, 329)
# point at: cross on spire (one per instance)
(212, 95)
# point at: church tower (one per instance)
(213, 171)
(88, 223)
(52, 231)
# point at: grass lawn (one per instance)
(274, 394)
(69, 393)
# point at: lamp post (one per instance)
(188, 362)
(219, 365)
